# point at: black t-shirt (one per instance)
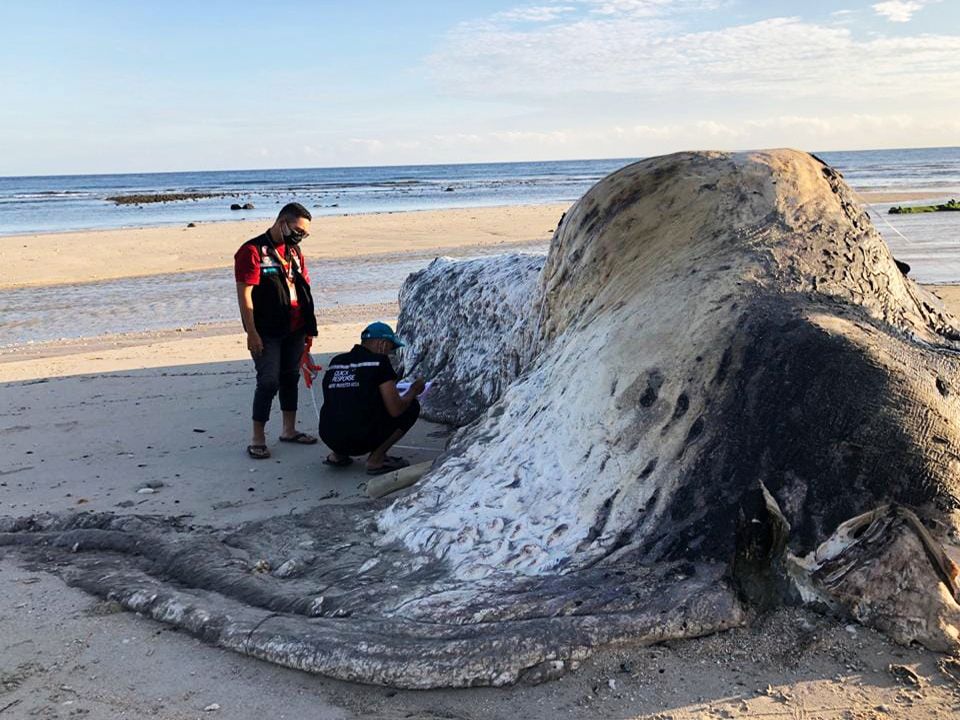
(352, 403)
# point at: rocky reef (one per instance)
(146, 198)
(718, 394)
(949, 206)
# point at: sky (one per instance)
(137, 86)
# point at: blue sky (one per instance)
(136, 86)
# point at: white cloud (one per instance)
(536, 13)
(648, 8)
(368, 146)
(901, 10)
(622, 78)
(406, 145)
(844, 17)
(456, 139)
(804, 131)
(779, 58)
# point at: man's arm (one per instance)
(396, 403)
(245, 300)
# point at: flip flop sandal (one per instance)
(338, 463)
(300, 438)
(389, 465)
(258, 452)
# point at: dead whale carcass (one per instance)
(466, 325)
(708, 326)
(717, 366)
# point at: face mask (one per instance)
(290, 236)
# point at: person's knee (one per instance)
(289, 379)
(268, 385)
(409, 416)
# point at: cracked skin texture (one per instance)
(704, 323)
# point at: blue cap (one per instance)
(380, 331)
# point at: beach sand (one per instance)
(950, 294)
(898, 196)
(85, 425)
(109, 254)
(95, 255)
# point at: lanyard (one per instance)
(287, 265)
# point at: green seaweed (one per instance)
(945, 207)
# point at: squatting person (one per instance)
(363, 412)
(276, 306)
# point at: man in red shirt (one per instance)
(276, 306)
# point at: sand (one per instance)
(950, 294)
(86, 425)
(109, 254)
(897, 196)
(54, 258)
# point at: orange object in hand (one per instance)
(308, 367)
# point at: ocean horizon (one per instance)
(59, 203)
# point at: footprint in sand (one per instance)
(14, 429)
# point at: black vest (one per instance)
(271, 298)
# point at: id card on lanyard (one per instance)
(286, 266)
(288, 271)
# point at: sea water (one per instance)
(80, 202)
(187, 299)
(929, 242)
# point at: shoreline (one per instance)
(873, 195)
(326, 318)
(316, 218)
(397, 255)
(948, 293)
(181, 276)
(49, 259)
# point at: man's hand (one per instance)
(254, 344)
(394, 402)
(417, 387)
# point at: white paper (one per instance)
(403, 386)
